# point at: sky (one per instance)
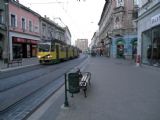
(81, 17)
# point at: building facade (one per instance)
(67, 36)
(106, 27)
(94, 42)
(149, 33)
(3, 29)
(117, 29)
(24, 31)
(82, 44)
(49, 30)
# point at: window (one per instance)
(13, 20)
(30, 26)
(135, 15)
(44, 29)
(1, 17)
(23, 24)
(120, 3)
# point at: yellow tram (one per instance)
(55, 52)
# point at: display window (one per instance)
(151, 47)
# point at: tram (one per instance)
(55, 52)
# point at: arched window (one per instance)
(117, 19)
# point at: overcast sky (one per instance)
(81, 17)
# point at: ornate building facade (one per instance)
(117, 28)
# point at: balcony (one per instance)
(119, 9)
(124, 31)
(118, 32)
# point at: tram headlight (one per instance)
(39, 56)
(49, 56)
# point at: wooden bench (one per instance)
(18, 60)
(84, 81)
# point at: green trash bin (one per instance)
(73, 83)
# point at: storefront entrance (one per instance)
(120, 49)
(24, 48)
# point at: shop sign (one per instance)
(28, 41)
(34, 41)
(155, 20)
(19, 40)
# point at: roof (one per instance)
(23, 7)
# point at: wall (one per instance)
(19, 12)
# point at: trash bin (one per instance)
(73, 82)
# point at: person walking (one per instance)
(101, 52)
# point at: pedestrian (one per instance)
(101, 52)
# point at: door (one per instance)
(57, 52)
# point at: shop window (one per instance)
(151, 47)
(146, 47)
(156, 47)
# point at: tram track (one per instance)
(4, 86)
(20, 101)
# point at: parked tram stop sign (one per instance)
(73, 82)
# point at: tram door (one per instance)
(57, 52)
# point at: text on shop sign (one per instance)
(155, 20)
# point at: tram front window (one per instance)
(44, 48)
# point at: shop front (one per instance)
(24, 48)
(124, 47)
(149, 37)
(151, 46)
